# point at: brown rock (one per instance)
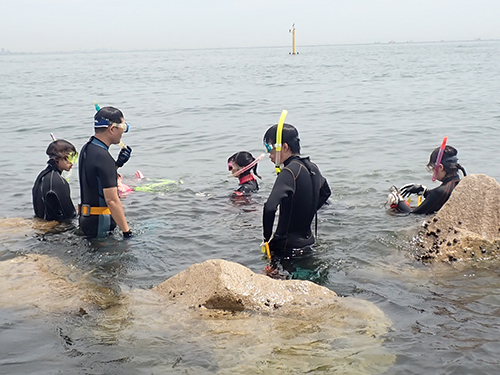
(286, 326)
(467, 226)
(221, 285)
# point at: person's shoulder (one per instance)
(58, 178)
(43, 172)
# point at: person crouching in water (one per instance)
(241, 165)
(446, 172)
(51, 192)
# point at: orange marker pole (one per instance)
(292, 30)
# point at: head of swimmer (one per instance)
(290, 142)
(449, 165)
(109, 125)
(62, 153)
(240, 160)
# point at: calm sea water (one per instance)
(368, 115)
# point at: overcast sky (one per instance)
(69, 25)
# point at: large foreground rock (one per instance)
(216, 317)
(257, 324)
(221, 285)
(468, 225)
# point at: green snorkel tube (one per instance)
(279, 135)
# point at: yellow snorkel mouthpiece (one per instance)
(279, 136)
(265, 249)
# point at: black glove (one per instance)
(128, 234)
(410, 189)
(123, 156)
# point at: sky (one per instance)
(86, 25)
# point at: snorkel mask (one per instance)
(104, 123)
(245, 168)
(72, 157)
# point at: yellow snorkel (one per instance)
(279, 139)
(279, 134)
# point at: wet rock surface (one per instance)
(222, 317)
(467, 227)
(221, 285)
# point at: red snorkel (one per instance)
(439, 158)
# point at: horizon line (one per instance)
(106, 50)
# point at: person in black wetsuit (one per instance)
(241, 165)
(447, 173)
(51, 192)
(101, 209)
(299, 191)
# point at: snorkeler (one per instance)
(241, 165)
(444, 170)
(51, 192)
(101, 209)
(299, 191)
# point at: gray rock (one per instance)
(467, 226)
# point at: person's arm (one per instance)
(324, 193)
(283, 187)
(115, 206)
(432, 202)
(58, 199)
(67, 206)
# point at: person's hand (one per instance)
(123, 156)
(410, 189)
(393, 199)
(128, 234)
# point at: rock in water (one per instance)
(256, 324)
(216, 317)
(467, 226)
(221, 285)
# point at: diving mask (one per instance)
(104, 123)
(125, 126)
(72, 157)
(269, 147)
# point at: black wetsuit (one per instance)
(248, 185)
(435, 198)
(97, 171)
(52, 196)
(299, 190)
